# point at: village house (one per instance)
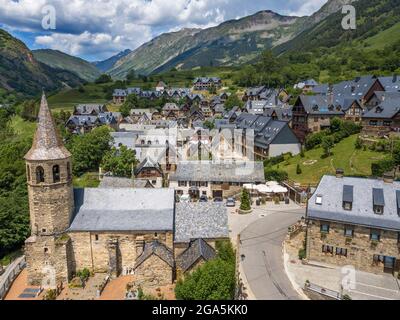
(150, 170)
(161, 86)
(384, 117)
(202, 84)
(170, 109)
(280, 114)
(312, 114)
(81, 124)
(215, 179)
(271, 137)
(355, 221)
(306, 86)
(116, 232)
(232, 115)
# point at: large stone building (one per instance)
(106, 230)
(355, 221)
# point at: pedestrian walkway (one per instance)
(367, 286)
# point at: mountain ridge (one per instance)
(233, 42)
(60, 60)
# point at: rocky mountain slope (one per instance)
(22, 73)
(231, 43)
(109, 63)
(59, 60)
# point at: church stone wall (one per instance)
(154, 272)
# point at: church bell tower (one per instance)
(51, 203)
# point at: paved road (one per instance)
(261, 243)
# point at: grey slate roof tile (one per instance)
(206, 220)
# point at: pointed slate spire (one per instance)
(47, 144)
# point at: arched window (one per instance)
(39, 175)
(56, 173)
(28, 171)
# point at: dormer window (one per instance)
(347, 198)
(318, 199)
(378, 201)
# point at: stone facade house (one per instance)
(312, 114)
(355, 221)
(383, 116)
(115, 231)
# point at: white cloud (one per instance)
(99, 28)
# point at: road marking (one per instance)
(376, 287)
(268, 268)
(371, 295)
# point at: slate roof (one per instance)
(198, 249)
(391, 84)
(122, 209)
(266, 130)
(320, 105)
(88, 109)
(157, 249)
(148, 163)
(206, 220)
(116, 183)
(282, 114)
(387, 109)
(245, 172)
(332, 190)
(356, 88)
(47, 144)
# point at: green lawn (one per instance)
(24, 129)
(345, 156)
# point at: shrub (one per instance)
(276, 175)
(298, 169)
(314, 140)
(302, 254)
(83, 274)
(381, 167)
(214, 280)
(245, 201)
(50, 294)
(358, 145)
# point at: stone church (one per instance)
(116, 231)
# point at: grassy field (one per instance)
(94, 93)
(67, 99)
(345, 156)
(24, 129)
(384, 38)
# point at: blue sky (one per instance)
(97, 29)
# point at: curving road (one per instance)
(261, 245)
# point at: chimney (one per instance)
(388, 177)
(339, 173)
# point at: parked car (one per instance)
(218, 200)
(230, 202)
(203, 198)
(185, 198)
